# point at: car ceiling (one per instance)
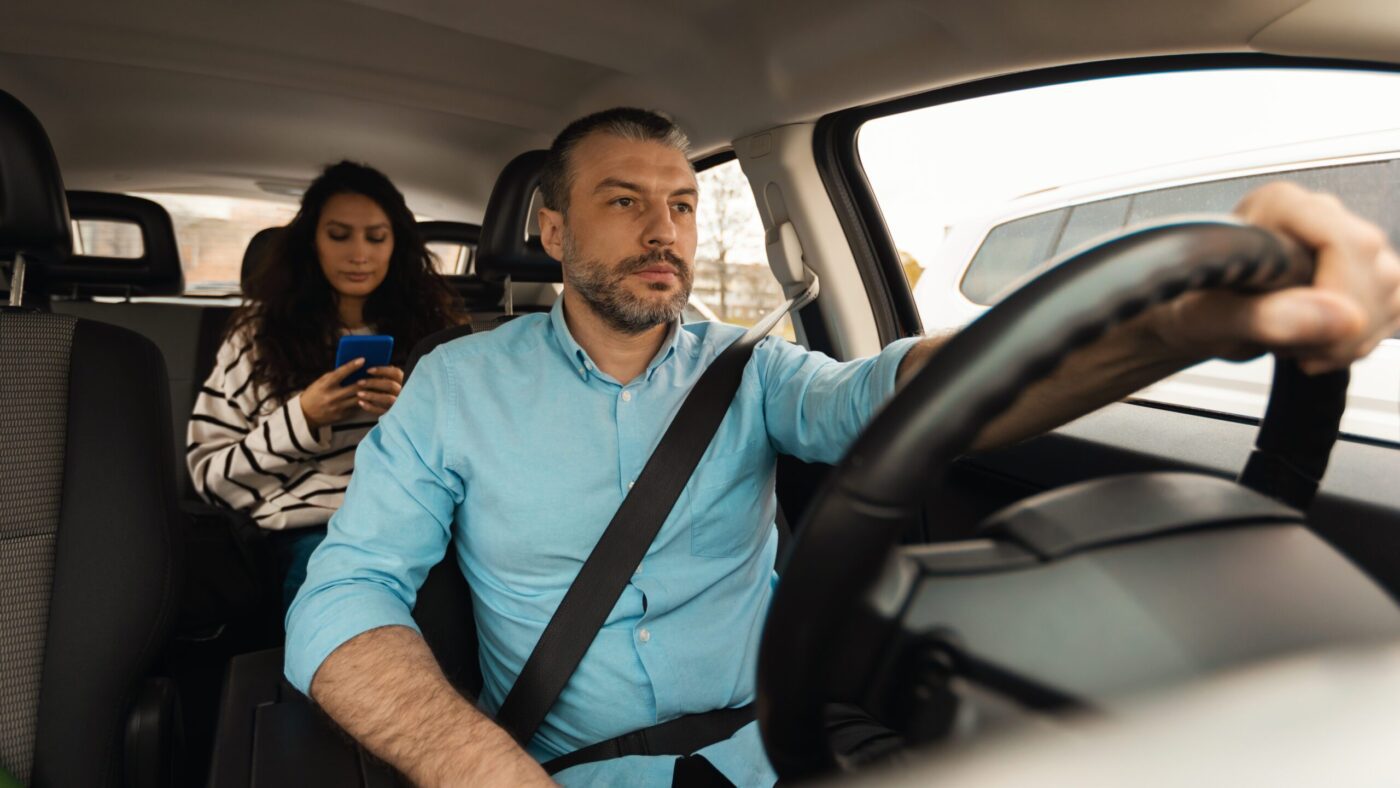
(221, 97)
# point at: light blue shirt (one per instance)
(517, 450)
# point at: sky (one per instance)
(934, 167)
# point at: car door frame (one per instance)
(1356, 509)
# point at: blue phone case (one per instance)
(375, 349)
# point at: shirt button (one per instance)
(639, 567)
(626, 396)
(630, 484)
(644, 636)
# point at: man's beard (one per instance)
(604, 288)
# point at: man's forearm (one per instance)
(385, 689)
(1123, 361)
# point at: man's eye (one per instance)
(685, 207)
(624, 202)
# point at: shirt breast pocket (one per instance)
(726, 503)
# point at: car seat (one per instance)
(91, 573)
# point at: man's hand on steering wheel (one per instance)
(1353, 303)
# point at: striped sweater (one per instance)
(250, 453)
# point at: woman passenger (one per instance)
(274, 430)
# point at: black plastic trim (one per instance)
(838, 159)
(1253, 421)
(714, 160)
(872, 246)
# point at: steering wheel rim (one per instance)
(855, 522)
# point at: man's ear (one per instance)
(552, 233)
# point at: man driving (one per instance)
(516, 447)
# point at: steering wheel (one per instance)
(842, 554)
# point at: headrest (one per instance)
(258, 246)
(155, 272)
(476, 292)
(450, 233)
(432, 232)
(33, 211)
(506, 248)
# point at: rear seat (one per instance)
(189, 334)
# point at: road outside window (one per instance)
(733, 282)
(979, 194)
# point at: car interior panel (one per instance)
(1196, 584)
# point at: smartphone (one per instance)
(375, 349)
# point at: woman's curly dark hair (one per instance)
(290, 308)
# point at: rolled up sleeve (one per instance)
(815, 406)
(395, 525)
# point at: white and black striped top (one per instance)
(249, 453)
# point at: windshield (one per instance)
(980, 193)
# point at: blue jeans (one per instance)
(293, 549)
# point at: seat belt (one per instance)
(629, 535)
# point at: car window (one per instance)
(107, 238)
(450, 258)
(733, 282)
(977, 198)
(212, 233)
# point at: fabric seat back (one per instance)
(89, 560)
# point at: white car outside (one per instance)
(949, 295)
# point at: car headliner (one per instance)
(250, 98)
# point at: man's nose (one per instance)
(660, 231)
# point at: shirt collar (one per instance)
(578, 357)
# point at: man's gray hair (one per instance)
(628, 123)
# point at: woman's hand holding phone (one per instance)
(326, 401)
(346, 387)
(380, 389)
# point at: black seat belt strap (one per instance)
(681, 736)
(628, 536)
